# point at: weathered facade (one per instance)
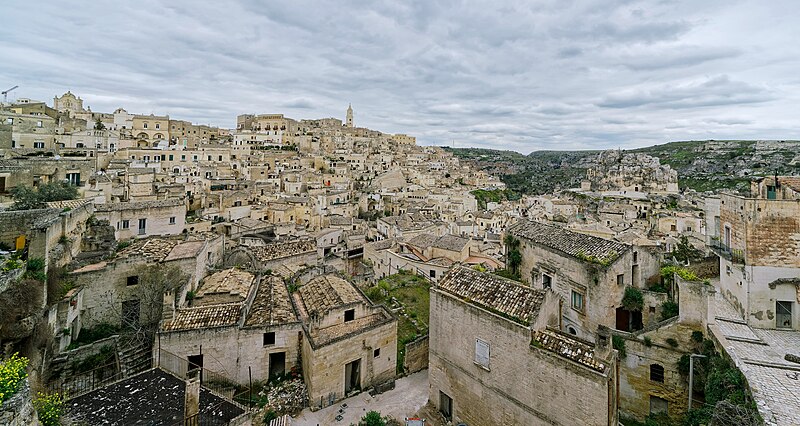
(760, 254)
(494, 361)
(589, 273)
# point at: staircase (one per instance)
(135, 359)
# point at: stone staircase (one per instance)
(135, 359)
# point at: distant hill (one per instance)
(701, 165)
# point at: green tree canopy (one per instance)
(27, 198)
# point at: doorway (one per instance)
(277, 364)
(352, 376)
(446, 405)
(196, 362)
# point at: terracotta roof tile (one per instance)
(568, 347)
(571, 243)
(504, 296)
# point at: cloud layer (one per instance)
(549, 74)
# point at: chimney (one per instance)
(168, 306)
(603, 346)
(192, 402)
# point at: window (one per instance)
(673, 228)
(577, 301)
(482, 353)
(74, 179)
(38, 144)
(621, 279)
(376, 353)
(446, 406)
(635, 257)
(783, 317)
(132, 280)
(220, 158)
(432, 273)
(657, 373)
(183, 158)
(39, 123)
(145, 125)
(171, 157)
(172, 220)
(269, 338)
(9, 120)
(349, 315)
(658, 405)
(158, 126)
(547, 281)
(126, 224)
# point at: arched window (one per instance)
(657, 373)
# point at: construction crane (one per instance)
(5, 93)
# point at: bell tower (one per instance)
(349, 116)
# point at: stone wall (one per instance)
(416, 356)
(18, 410)
(324, 367)
(523, 385)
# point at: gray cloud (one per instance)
(549, 74)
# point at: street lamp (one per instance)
(691, 376)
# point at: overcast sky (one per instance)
(524, 75)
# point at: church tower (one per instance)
(349, 116)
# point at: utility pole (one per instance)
(691, 376)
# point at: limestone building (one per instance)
(759, 252)
(348, 345)
(589, 273)
(494, 361)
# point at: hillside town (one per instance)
(308, 271)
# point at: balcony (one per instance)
(725, 252)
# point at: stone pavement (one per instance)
(408, 396)
(759, 353)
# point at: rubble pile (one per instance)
(287, 397)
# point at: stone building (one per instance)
(589, 273)
(759, 252)
(348, 345)
(239, 324)
(615, 170)
(494, 361)
(141, 219)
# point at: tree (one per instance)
(154, 281)
(372, 418)
(513, 255)
(98, 125)
(26, 198)
(685, 251)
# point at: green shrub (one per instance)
(619, 344)
(12, 374)
(669, 309)
(672, 342)
(49, 408)
(269, 416)
(35, 269)
(648, 342)
(697, 336)
(633, 300)
(372, 418)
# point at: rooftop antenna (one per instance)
(5, 93)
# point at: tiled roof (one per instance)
(271, 304)
(574, 244)
(496, 293)
(204, 316)
(153, 249)
(139, 205)
(185, 250)
(284, 249)
(71, 204)
(326, 292)
(325, 335)
(568, 347)
(230, 281)
(423, 241)
(451, 242)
